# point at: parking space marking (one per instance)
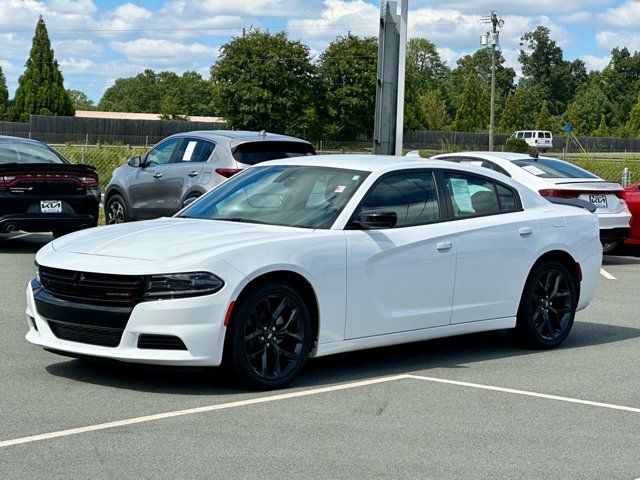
(527, 393)
(606, 274)
(190, 411)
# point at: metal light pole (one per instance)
(492, 37)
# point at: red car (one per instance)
(632, 197)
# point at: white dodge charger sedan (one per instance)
(313, 256)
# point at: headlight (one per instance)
(182, 285)
(37, 271)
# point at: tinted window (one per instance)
(193, 150)
(161, 154)
(519, 135)
(527, 134)
(547, 134)
(551, 168)
(251, 153)
(412, 196)
(17, 152)
(507, 199)
(471, 195)
(308, 197)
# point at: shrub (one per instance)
(517, 145)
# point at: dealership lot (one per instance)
(375, 414)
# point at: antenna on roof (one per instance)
(534, 154)
(263, 133)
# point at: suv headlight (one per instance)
(182, 285)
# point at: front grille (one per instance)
(92, 288)
(102, 336)
(160, 342)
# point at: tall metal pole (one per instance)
(492, 116)
(402, 60)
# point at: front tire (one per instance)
(115, 211)
(269, 337)
(548, 306)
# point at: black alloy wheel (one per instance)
(548, 306)
(116, 211)
(269, 337)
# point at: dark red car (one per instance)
(41, 191)
(632, 197)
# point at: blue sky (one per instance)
(97, 41)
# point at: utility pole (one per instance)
(492, 38)
(389, 113)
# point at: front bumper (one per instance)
(197, 321)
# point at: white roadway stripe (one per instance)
(190, 411)
(606, 274)
(527, 393)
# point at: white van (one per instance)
(535, 138)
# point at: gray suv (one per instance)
(184, 166)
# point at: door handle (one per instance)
(525, 231)
(193, 174)
(441, 246)
(157, 175)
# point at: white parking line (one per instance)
(527, 393)
(303, 393)
(190, 411)
(606, 274)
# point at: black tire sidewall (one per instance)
(234, 355)
(121, 201)
(525, 326)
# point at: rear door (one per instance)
(183, 173)
(146, 191)
(497, 243)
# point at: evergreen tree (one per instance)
(587, 107)
(513, 116)
(41, 86)
(4, 95)
(469, 116)
(633, 125)
(544, 118)
(434, 110)
(602, 130)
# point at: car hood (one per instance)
(168, 239)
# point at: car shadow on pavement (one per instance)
(452, 353)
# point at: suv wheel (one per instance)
(115, 211)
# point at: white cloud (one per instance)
(126, 17)
(593, 62)
(164, 52)
(576, 17)
(626, 15)
(78, 47)
(514, 7)
(608, 39)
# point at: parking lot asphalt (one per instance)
(504, 412)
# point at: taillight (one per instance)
(228, 172)
(6, 180)
(550, 192)
(88, 181)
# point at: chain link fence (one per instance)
(621, 168)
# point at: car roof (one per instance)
(239, 136)
(509, 156)
(11, 139)
(372, 163)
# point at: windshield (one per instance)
(552, 168)
(295, 196)
(19, 152)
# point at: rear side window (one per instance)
(193, 150)
(27, 153)
(552, 168)
(412, 196)
(252, 153)
(547, 134)
(474, 196)
(528, 134)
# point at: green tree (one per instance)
(4, 95)
(587, 107)
(41, 87)
(544, 118)
(80, 100)
(602, 130)
(348, 73)
(434, 110)
(633, 124)
(470, 114)
(263, 81)
(425, 72)
(543, 64)
(140, 93)
(513, 117)
(621, 81)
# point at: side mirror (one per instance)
(135, 162)
(375, 219)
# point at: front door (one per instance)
(401, 278)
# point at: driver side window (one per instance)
(161, 155)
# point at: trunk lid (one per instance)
(47, 178)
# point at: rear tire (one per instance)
(548, 306)
(115, 211)
(269, 337)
